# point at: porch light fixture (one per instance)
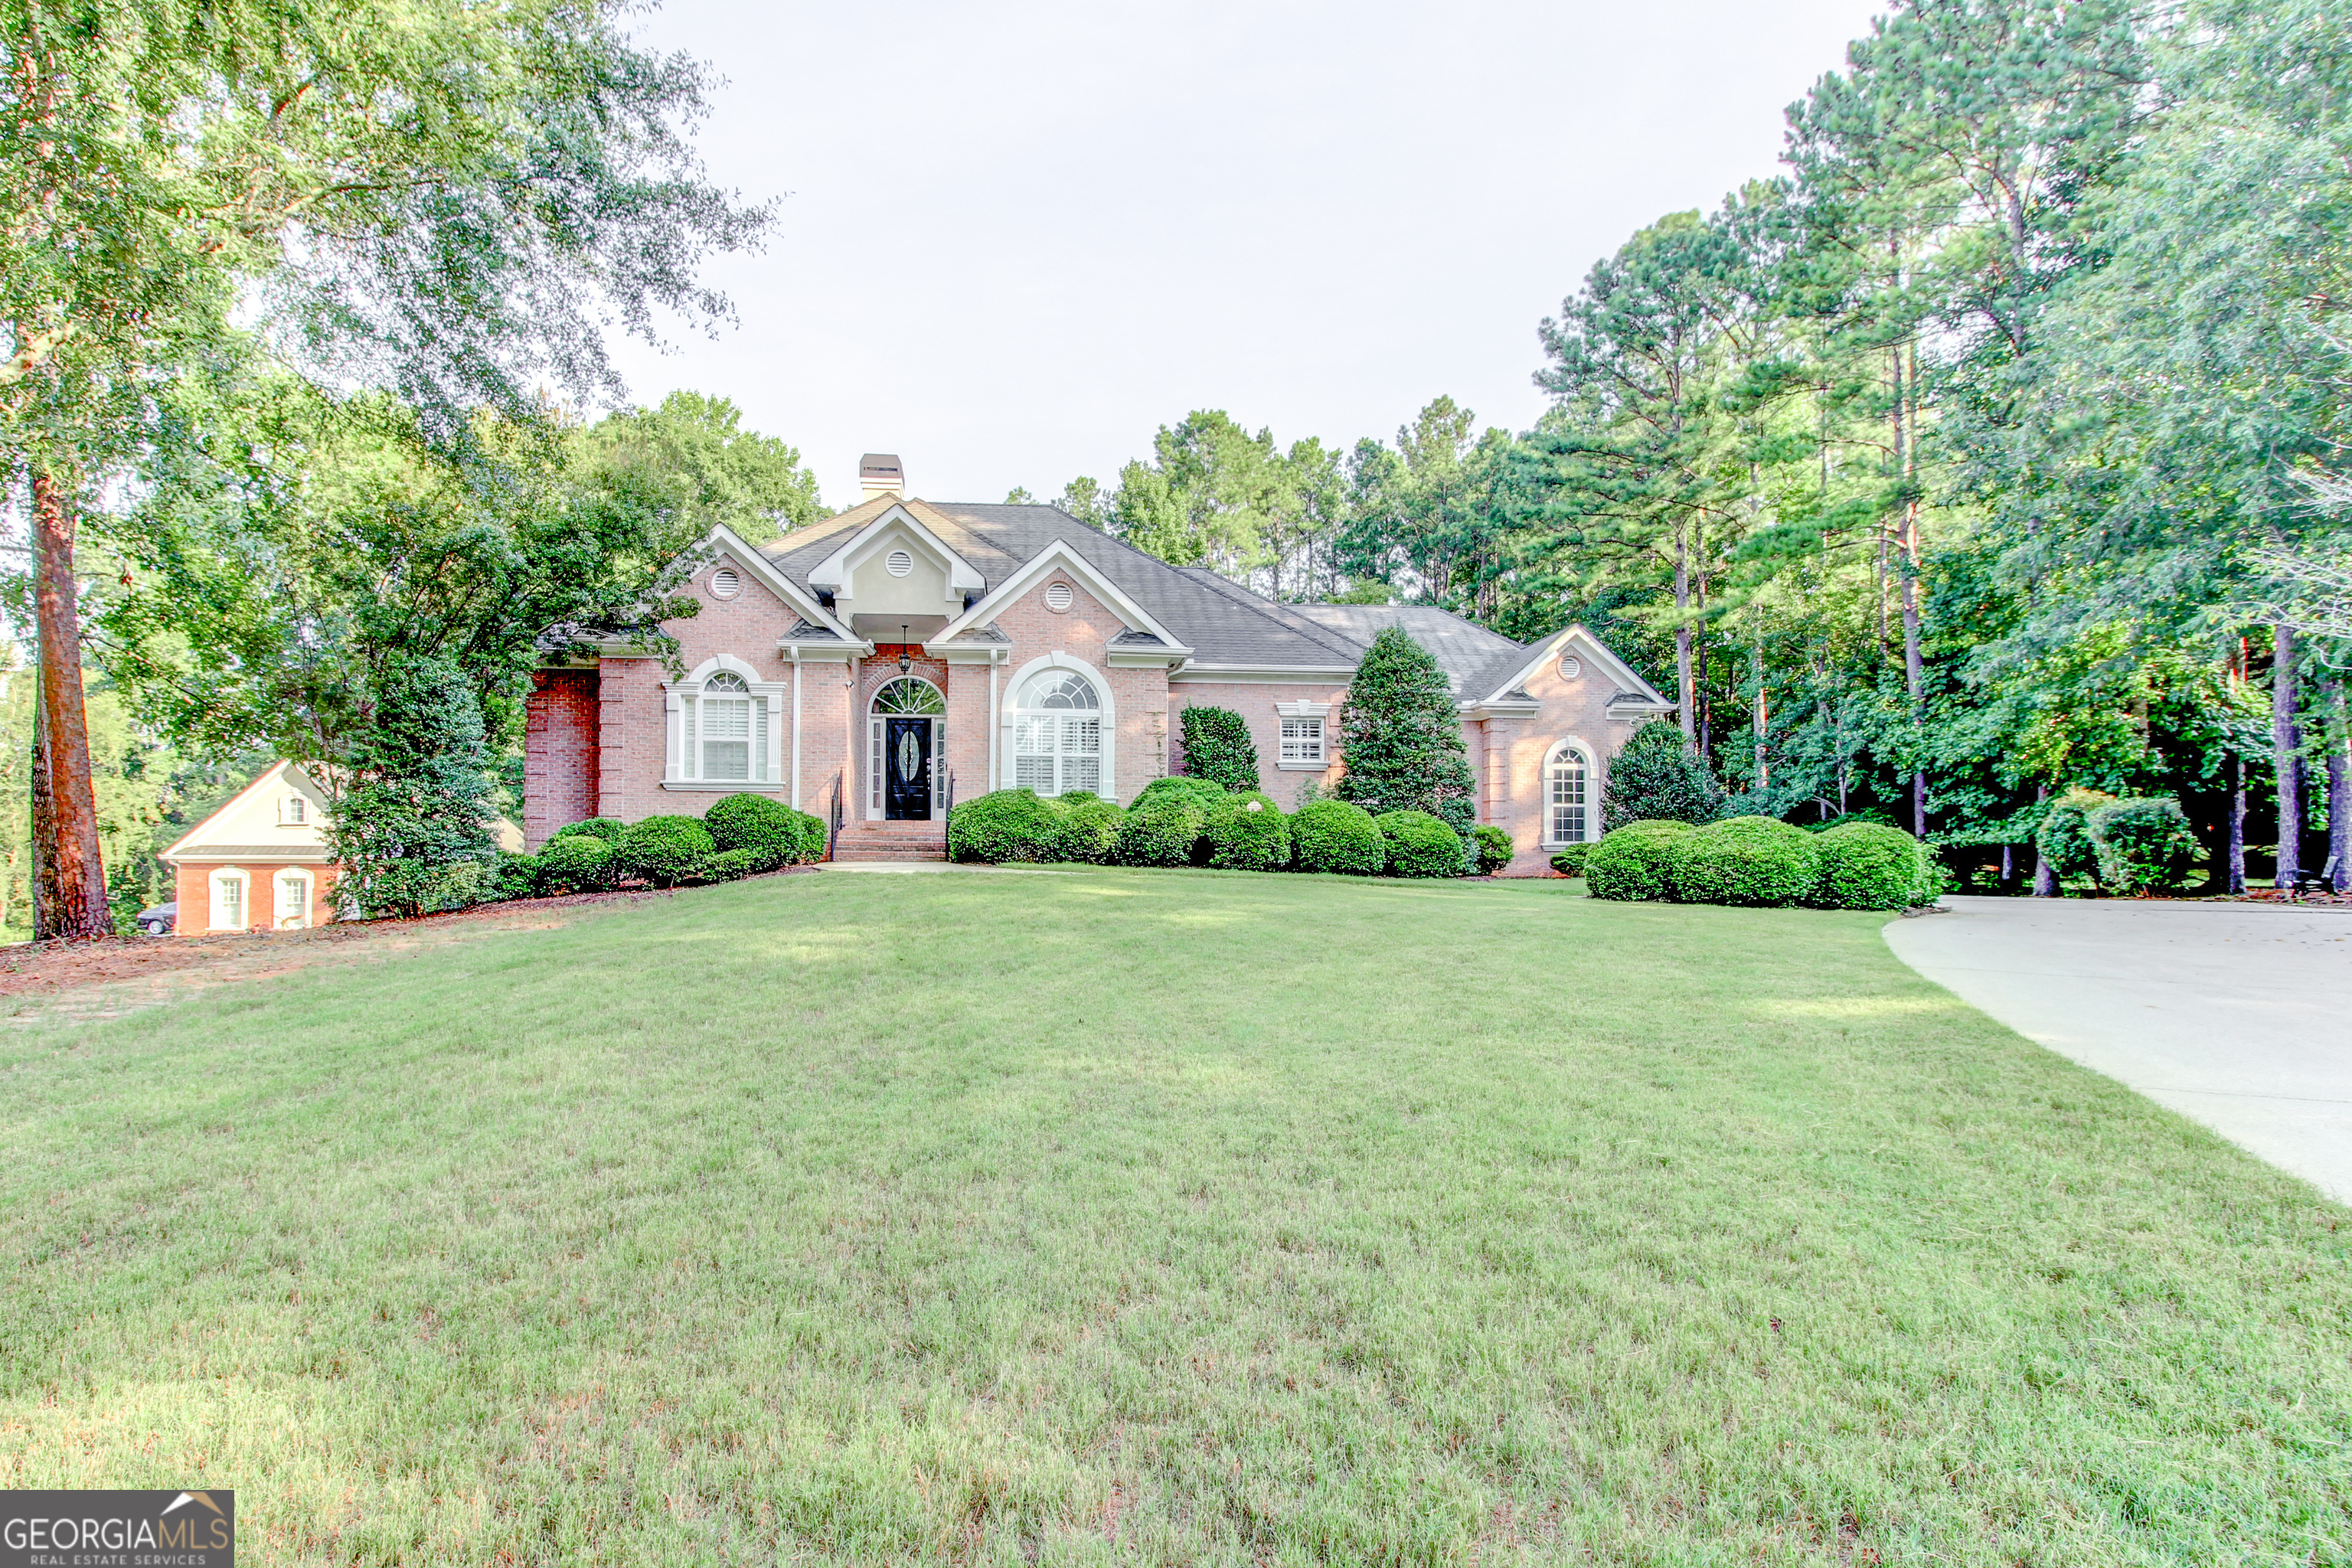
(904, 663)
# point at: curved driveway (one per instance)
(2237, 1016)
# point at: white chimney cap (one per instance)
(878, 473)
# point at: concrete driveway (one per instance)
(2238, 1016)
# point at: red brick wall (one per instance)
(193, 886)
(1140, 697)
(1255, 703)
(560, 753)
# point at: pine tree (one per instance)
(1402, 735)
(1659, 778)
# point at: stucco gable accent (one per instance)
(828, 574)
(1059, 556)
(1503, 693)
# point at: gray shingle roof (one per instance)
(1474, 659)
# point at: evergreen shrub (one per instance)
(1090, 828)
(2143, 845)
(576, 863)
(1338, 836)
(765, 827)
(1163, 828)
(1006, 825)
(816, 838)
(1633, 862)
(1757, 860)
(663, 850)
(1494, 848)
(1870, 866)
(412, 831)
(1249, 832)
(1401, 733)
(607, 828)
(514, 876)
(1569, 860)
(1217, 748)
(728, 865)
(2064, 838)
(1184, 785)
(1658, 777)
(1420, 845)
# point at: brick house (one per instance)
(872, 665)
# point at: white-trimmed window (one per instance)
(292, 909)
(232, 909)
(1302, 743)
(1057, 734)
(294, 810)
(720, 732)
(1566, 777)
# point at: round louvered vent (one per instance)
(899, 563)
(1060, 597)
(726, 583)
(1570, 668)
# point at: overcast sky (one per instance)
(1019, 237)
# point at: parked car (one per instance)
(158, 920)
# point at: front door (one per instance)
(907, 758)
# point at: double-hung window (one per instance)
(722, 732)
(1302, 742)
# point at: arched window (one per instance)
(1564, 793)
(721, 731)
(231, 910)
(906, 776)
(1057, 739)
(292, 909)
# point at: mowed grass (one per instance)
(1158, 1218)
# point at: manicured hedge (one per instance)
(1249, 832)
(2065, 836)
(1869, 866)
(1494, 848)
(1217, 747)
(1008, 825)
(1420, 845)
(1090, 828)
(607, 828)
(663, 850)
(1634, 862)
(576, 863)
(1179, 784)
(1338, 836)
(728, 865)
(1746, 860)
(768, 829)
(1569, 859)
(2144, 845)
(1163, 826)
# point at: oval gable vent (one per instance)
(726, 583)
(899, 563)
(1060, 597)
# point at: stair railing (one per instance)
(832, 836)
(947, 818)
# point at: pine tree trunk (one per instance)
(1681, 628)
(1915, 672)
(1763, 767)
(2046, 878)
(2285, 744)
(70, 847)
(40, 882)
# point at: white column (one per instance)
(995, 781)
(796, 728)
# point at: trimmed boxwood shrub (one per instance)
(1420, 845)
(1217, 748)
(754, 822)
(2144, 845)
(1338, 836)
(728, 865)
(1089, 826)
(608, 829)
(576, 863)
(1494, 848)
(663, 850)
(816, 838)
(1755, 860)
(1569, 860)
(1163, 826)
(1249, 832)
(514, 876)
(1182, 784)
(1869, 866)
(1634, 862)
(1007, 825)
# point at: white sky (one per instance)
(1022, 236)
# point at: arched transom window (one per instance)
(906, 773)
(1057, 739)
(911, 696)
(1565, 788)
(719, 732)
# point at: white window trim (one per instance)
(293, 809)
(1591, 791)
(1009, 718)
(309, 898)
(681, 765)
(245, 903)
(1322, 724)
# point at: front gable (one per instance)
(729, 572)
(282, 814)
(1056, 580)
(1571, 661)
(896, 566)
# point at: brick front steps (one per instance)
(891, 841)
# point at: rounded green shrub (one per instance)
(1249, 832)
(1007, 825)
(1757, 860)
(1090, 828)
(1420, 845)
(514, 877)
(1161, 828)
(663, 850)
(1338, 836)
(576, 863)
(1869, 866)
(1634, 862)
(730, 864)
(2065, 836)
(1201, 790)
(608, 829)
(2145, 844)
(1217, 748)
(816, 838)
(765, 827)
(1569, 859)
(1494, 848)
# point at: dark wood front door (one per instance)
(906, 761)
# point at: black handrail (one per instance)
(833, 838)
(947, 818)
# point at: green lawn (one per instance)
(1158, 1217)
